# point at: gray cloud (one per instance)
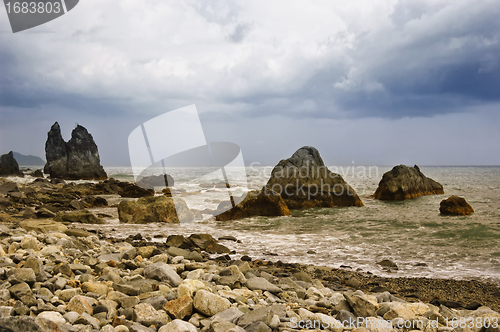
(113, 65)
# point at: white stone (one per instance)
(189, 287)
(210, 304)
(53, 316)
(178, 325)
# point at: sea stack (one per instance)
(73, 160)
(403, 182)
(455, 206)
(9, 166)
(303, 181)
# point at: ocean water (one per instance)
(410, 232)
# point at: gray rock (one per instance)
(191, 255)
(76, 159)
(231, 315)
(22, 275)
(71, 316)
(258, 327)
(129, 301)
(403, 182)
(156, 301)
(22, 324)
(361, 304)
(9, 166)
(163, 272)
(35, 263)
(346, 318)
(303, 180)
(86, 319)
(262, 284)
(260, 314)
(135, 327)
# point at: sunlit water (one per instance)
(407, 232)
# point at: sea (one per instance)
(411, 233)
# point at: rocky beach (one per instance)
(63, 269)
(61, 278)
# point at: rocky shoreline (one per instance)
(55, 278)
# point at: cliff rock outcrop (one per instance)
(73, 160)
(303, 181)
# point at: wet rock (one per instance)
(263, 203)
(132, 190)
(455, 206)
(403, 182)
(154, 209)
(9, 166)
(388, 263)
(209, 304)
(191, 255)
(303, 181)
(82, 216)
(76, 159)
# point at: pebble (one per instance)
(69, 282)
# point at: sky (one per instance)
(366, 82)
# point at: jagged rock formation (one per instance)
(255, 204)
(403, 182)
(303, 181)
(455, 206)
(9, 166)
(76, 159)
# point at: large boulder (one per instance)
(9, 166)
(403, 182)
(76, 159)
(154, 209)
(303, 181)
(455, 206)
(255, 204)
(150, 182)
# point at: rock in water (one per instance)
(9, 166)
(455, 206)
(76, 159)
(154, 209)
(255, 204)
(304, 181)
(403, 182)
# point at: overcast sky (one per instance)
(374, 82)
